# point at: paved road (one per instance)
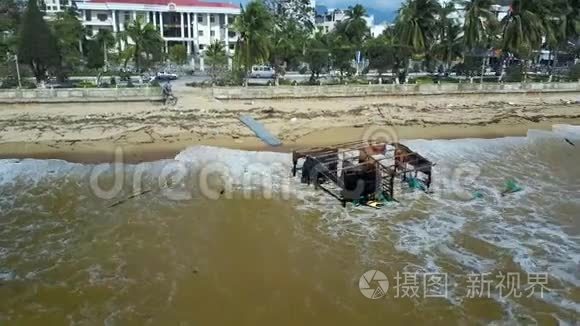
(200, 77)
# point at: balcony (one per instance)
(96, 22)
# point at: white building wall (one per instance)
(196, 28)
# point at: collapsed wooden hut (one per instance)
(361, 171)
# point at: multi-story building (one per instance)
(327, 18)
(193, 23)
(54, 6)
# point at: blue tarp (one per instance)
(260, 131)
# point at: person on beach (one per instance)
(167, 92)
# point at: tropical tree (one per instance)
(95, 58)
(70, 35)
(105, 40)
(569, 16)
(178, 54)
(143, 43)
(564, 28)
(299, 12)
(288, 45)
(380, 53)
(479, 28)
(523, 29)
(341, 53)
(37, 46)
(254, 25)
(480, 24)
(449, 47)
(216, 58)
(401, 53)
(317, 55)
(355, 26)
(416, 25)
(10, 16)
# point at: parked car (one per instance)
(164, 76)
(262, 72)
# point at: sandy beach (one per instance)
(149, 131)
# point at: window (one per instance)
(231, 34)
(211, 18)
(199, 18)
(88, 15)
(212, 33)
(201, 47)
(200, 33)
(102, 17)
(232, 46)
(127, 16)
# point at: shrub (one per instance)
(514, 73)
(574, 73)
(86, 84)
(13, 83)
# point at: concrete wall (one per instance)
(72, 95)
(268, 92)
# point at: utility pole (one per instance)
(17, 70)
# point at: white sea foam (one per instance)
(240, 168)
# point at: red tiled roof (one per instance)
(184, 3)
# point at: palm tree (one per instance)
(480, 23)
(106, 40)
(145, 42)
(288, 44)
(449, 47)
(70, 36)
(479, 28)
(569, 16)
(415, 25)
(524, 27)
(355, 26)
(254, 25)
(565, 28)
(317, 54)
(216, 58)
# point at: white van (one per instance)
(262, 72)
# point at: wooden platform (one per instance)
(361, 170)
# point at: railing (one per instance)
(72, 95)
(261, 92)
